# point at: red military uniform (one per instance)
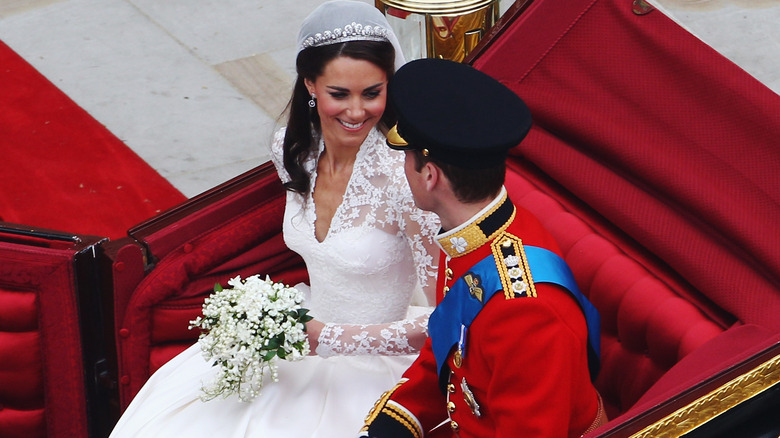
(522, 369)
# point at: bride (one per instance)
(368, 250)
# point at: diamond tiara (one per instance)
(351, 32)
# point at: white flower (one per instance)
(459, 243)
(246, 330)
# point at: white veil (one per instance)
(347, 20)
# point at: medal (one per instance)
(457, 358)
(469, 397)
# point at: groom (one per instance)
(513, 343)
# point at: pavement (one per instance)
(196, 87)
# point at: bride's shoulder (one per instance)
(278, 141)
(277, 153)
(384, 167)
(381, 154)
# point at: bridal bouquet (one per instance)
(246, 329)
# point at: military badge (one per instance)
(457, 358)
(459, 244)
(474, 282)
(468, 396)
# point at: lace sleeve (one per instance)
(420, 230)
(276, 155)
(392, 339)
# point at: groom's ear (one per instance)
(432, 176)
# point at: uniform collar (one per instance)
(480, 229)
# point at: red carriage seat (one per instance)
(653, 160)
(51, 360)
(161, 274)
(647, 325)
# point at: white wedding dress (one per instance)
(363, 275)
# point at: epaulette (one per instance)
(512, 266)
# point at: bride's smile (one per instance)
(351, 125)
(351, 98)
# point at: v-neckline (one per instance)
(315, 174)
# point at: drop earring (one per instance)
(312, 102)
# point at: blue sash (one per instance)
(455, 313)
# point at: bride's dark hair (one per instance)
(302, 120)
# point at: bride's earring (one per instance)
(312, 101)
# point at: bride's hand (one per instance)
(313, 330)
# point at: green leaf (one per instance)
(270, 355)
(303, 316)
(281, 353)
(273, 343)
(217, 287)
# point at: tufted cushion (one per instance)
(646, 326)
(42, 377)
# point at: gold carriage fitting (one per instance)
(447, 29)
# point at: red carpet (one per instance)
(62, 169)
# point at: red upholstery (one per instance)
(42, 382)
(730, 348)
(215, 238)
(666, 139)
(663, 156)
(646, 326)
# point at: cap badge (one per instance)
(394, 138)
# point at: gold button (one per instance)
(454, 426)
(507, 243)
(448, 273)
(445, 290)
(451, 388)
(450, 407)
(457, 359)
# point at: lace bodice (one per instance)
(377, 252)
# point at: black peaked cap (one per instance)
(461, 116)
